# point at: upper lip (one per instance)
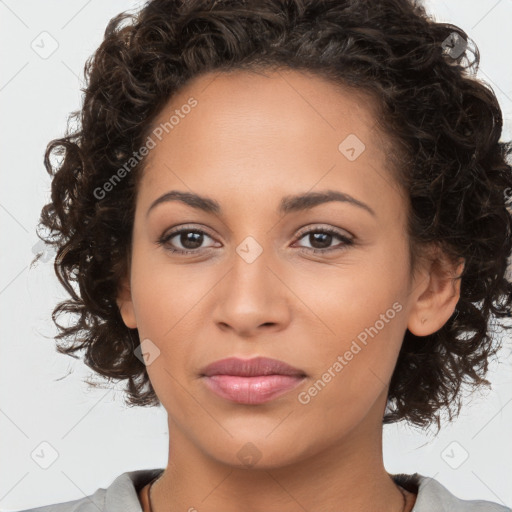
(250, 367)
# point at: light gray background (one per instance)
(43, 398)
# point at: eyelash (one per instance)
(164, 240)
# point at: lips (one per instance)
(251, 381)
(251, 367)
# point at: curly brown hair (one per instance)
(444, 123)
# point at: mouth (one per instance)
(251, 381)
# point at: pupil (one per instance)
(194, 239)
(318, 236)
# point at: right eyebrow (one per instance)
(311, 199)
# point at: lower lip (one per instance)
(251, 390)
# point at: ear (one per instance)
(436, 293)
(125, 304)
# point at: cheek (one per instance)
(353, 370)
(361, 317)
(164, 293)
(164, 301)
(346, 298)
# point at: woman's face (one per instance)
(262, 277)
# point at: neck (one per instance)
(349, 475)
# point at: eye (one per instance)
(321, 238)
(189, 239)
(192, 239)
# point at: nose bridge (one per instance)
(251, 295)
(250, 274)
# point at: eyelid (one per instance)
(302, 231)
(323, 227)
(346, 239)
(187, 227)
(164, 239)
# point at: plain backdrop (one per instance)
(61, 440)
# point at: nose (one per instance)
(252, 298)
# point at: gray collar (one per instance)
(122, 496)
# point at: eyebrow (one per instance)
(289, 204)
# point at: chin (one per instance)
(261, 451)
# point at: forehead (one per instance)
(265, 101)
(261, 129)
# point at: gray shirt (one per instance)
(122, 496)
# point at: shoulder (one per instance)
(90, 503)
(431, 495)
(120, 496)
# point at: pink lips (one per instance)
(251, 381)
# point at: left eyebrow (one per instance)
(311, 199)
(289, 204)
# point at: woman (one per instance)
(287, 223)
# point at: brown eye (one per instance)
(321, 239)
(189, 239)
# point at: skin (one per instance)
(251, 140)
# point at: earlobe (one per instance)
(437, 297)
(125, 304)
